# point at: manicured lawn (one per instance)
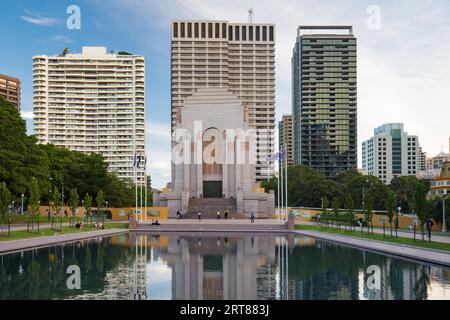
(379, 237)
(24, 234)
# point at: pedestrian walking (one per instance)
(252, 218)
(218, 215)
(199, 216)
(226, 214)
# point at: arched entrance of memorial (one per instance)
(212, 164)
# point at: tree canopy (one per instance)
(53, 167)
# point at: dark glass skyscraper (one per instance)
(324, 102)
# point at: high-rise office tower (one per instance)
(285, 137)
(239, 57)
(324, 105)
(93, 102)
(10, 89)
(422, 159)
(391, 153)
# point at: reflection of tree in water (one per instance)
(44, 274)
(327, 271)
(316, 273)
(421, 285)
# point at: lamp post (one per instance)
(444, 224)
(104, 214)
(22, 203)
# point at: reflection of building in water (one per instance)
(222, 268)
(128, 280)
(404, 283)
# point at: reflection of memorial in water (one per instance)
(222, 268)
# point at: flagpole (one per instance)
(278, 181)
(146, 186)
(135, 186)
(281, 184)
(285, 182)
(141, 185)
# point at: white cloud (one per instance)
(39, 20)
(403, 68)
(61, 38)
(27, 115)
(158, 131)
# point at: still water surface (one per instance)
(189, 266)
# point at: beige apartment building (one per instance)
(10, 89)
(236, 56)
(93, 102)
(286, 137)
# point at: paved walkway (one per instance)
(428, 255)
(403, 234)
(32, 243)
(214, 225)
(46, 225)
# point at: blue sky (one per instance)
(403, 63)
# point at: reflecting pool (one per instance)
(215, 266)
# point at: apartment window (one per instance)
(189, 30)
(175, 30)
(264, 33)
(250, 33)
(182, 30)
(236, 32)
(271, 33)
(224, 30)
(210, 30)
(203, 30)
(244, 33)
(230, 33)
(257, 33)
(217, 31)
(196, 30)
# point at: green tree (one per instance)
(5, 201)
(422, 207)
(100, 200)
(56, 204)
(74, 201)
(368, 207)
(390, 208)
(88, 206)
(350, 211)
(325, 209)
(34, 202)
(405, 188)
(336, 216)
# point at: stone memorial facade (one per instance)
(214, 158)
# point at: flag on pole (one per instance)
(137, 160)
(282, 153)
(273, 157)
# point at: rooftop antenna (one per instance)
(250, 15)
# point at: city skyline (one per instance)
(411, 84)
